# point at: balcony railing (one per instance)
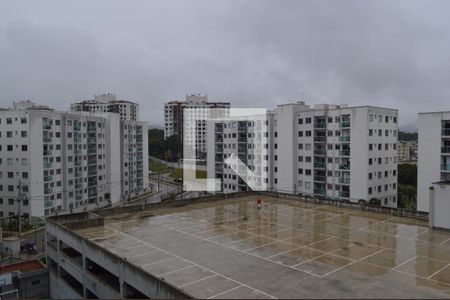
(344, 152)
(320, 139)
(320, 178)
(344, 180)
(445, 167)
(445, 149)
(77, 127)
(319, 192)
(77, 174)
(46, 126)
(77, 151)
(48, 178)
(320, 125)
(344, 194)
(344, 138)
(320, 152)
(47, 165)
(344, 166)
(47, 140)
(320, 165)
(345, 124)
(48, 152)
(446, 132)
(78, 186)
(48, 191)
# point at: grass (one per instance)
(156, 166)
(178, 173)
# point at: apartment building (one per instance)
(339, 152)
(109, 103)
(55, 161)
(434, 154)
(187, 120)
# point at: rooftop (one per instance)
(287, 249)
(23, 267)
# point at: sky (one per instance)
(253, 53)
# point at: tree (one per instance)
(407, 136)
(407, 196)
(407, 174)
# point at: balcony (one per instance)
(344, 180)
(445, 150)
(77, 163)
(320, 152)
(92, 173)
(46, 126)
(77, 127)
(92, 162)
(77, 174)
(320, 165)
(344, 152)
(48, 152)
(344, 194)
(77, 151)
(344, 139)
(344, 124)
(344, 166)
(78, 186)
(78, 197)
(320, 192)
(47, 140)
(48, 178)
(92, 129)
(92, 151)
(48, 191)
(92, 140)
(77, 139)
(446, 132)
(320, 178)
(320, 139)
(47, 165)
(320, 125)
(445, 167)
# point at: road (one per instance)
(166, 188)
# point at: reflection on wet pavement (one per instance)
(286, 249)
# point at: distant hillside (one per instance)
(407, 136)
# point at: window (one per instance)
(57, 122)
(300, 146)
(9, 134)
(300, 171)
(308, 120)
(300, 121)
(300, 133)
(10, 174)
(370, 191)
(275, 157)
(370, 161)
(300, 158)
(370, 132)
(8, 120)
(24, 148)
(308, 133)
(308, 172)
(11, 201)
(23, 120)
(370, 176)
(10, 147)
(24, 161)
(23, 134)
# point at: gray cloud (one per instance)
(252, 53)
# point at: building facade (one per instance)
(187, 120)
(53, 162)
(109, 103)
(434, 154)
(339, 152)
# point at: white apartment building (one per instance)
(64, 161)
(180, 120)
(434, 154)
(109, 103)
(339, 152)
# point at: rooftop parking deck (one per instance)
(286, 249)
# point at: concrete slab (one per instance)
(286, 249)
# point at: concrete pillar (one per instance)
(431, 209)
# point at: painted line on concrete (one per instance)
(441, 269)
(442, 243)
(212, 271)
(177, 270)
(198, 280)
(142, 254)
(158, 261)
(229, 290)
(405, 262)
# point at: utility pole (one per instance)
(19, 219)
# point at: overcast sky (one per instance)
(251, 53)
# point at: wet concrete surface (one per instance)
(286, 249)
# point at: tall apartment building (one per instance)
(109, 103)
(195, 107)
(340, 152)
(64, 161)
(434, 154)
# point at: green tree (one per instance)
(407, 174)
(407, 196)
